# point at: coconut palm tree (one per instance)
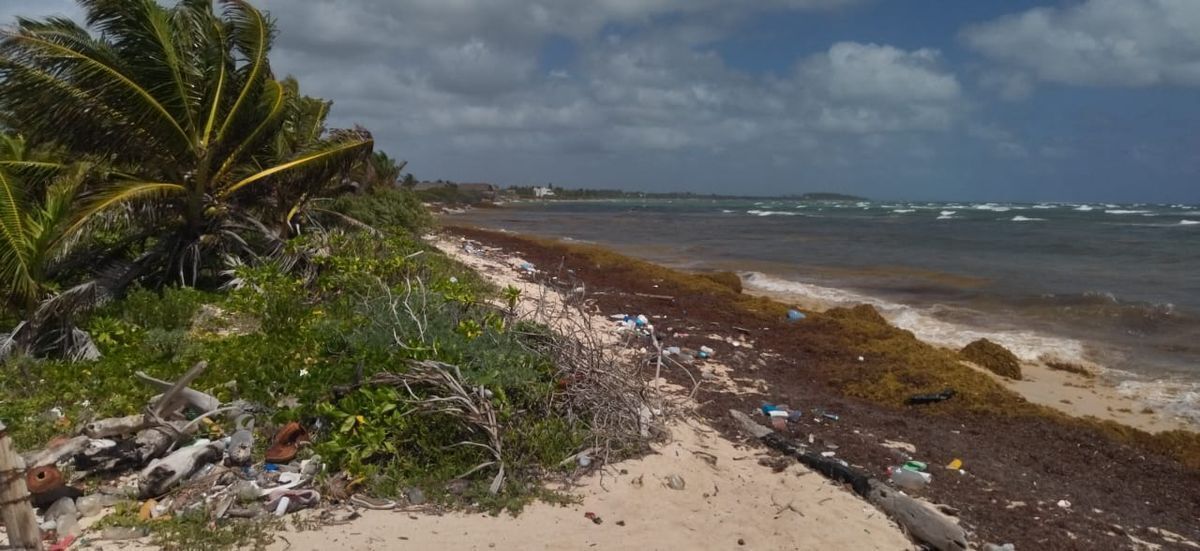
(40, 219)
(183, 103)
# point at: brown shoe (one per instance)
(286, 443)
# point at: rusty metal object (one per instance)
(43, 480)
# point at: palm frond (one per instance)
(252, 35)
(338, 155)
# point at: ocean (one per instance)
(1112, 286)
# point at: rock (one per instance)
(457, 487)
(993, 357)
(415, 496)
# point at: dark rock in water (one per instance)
(993, 357)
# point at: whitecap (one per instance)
(771, 213)
(1027, 219)
(1121, 211)
(1084, 208)
(1189, 222)
(946, 215)
(903, 211)
(1027, 345)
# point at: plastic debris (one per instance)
(415, 496)
(593, 517)
(65, 517)
(1064, 504)
(955, 465)
(795, 315)
(922, 399)
(830, 416)
(368, 502)
(282, 503)
(909, 480)
(89, 506)
(676, 482)
(917, 466)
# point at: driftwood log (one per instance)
(155, 441)
(15, 509)
(177, 395)
(162, 474)
(55, 454)
(923, 522)
(116, 426)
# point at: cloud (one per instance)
(1127, 43)
(640, 99)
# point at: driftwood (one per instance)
(116, 426)
(153, 442)
(241, 446)
(924, 523)
(15, 510)
(103, 456)
(177, 394)
(53, 455)
(162, 474)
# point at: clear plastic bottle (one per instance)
(909, 480)
(89, 506)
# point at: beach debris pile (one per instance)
(162, 464)
(931, 525)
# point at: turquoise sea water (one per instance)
(1113, 285)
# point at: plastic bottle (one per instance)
(909, 480)
(89, 506)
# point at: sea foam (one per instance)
(923, 322)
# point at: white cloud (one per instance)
(881, 72)
(460, 88)
(862, 88)
(1098, 42)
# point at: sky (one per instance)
(1000, 100)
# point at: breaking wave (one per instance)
(925, 323)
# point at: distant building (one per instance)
(540, 192)
(486, 191)
(426, 186)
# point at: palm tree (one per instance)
(183, 102)
(40, 219)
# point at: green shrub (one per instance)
(386, 209)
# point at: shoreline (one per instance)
(995, 432)
(1097, 395)
(1141, 400)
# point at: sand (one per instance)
(727, 497)
(1081, 396)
